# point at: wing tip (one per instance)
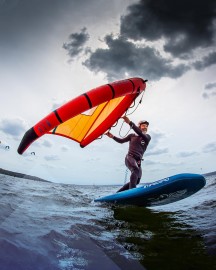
(27, 139)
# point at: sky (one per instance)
(52, 51)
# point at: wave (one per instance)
(13, 256)
(57, 226)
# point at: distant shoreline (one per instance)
(210, 173)
(22, 175)
(35, 178)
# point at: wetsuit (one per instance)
(137, 148)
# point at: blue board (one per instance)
(164, 191)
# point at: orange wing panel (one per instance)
(83, 125)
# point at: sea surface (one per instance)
(59, 226)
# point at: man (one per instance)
(137, 146)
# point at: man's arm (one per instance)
(119, 140)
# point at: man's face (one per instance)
(144, 128)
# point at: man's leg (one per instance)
(131, 164)
(125, 187)
(136, 173)
(140, 174)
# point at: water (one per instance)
(58, 226)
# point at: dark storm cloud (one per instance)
(123, 56)
(6, 6)
(185, 25)
(181, 26)
(76, 43)
(27, 25)
(207, 61)
(24, 15)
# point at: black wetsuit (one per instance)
(137, 148)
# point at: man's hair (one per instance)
(143, 122)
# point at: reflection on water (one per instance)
(158, 240)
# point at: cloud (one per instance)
(150, 162)
(93, 159)
(184, 25)
(4, 145)
(125, 57)
(177, 29)
(208, 95)
(209, 86)
(14, 127)
(56, 104)
(34, 19)
(184, 154)
(157, 152)
(210, 147)
(8, 5)
(51, 157)
(76, 43)
(47, 143)
(29, 154)
(156, 136)
(162, 164)
(210, 90)
(207, 61)
(65, 148)
(48, 166)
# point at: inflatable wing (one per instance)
(89, 115)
